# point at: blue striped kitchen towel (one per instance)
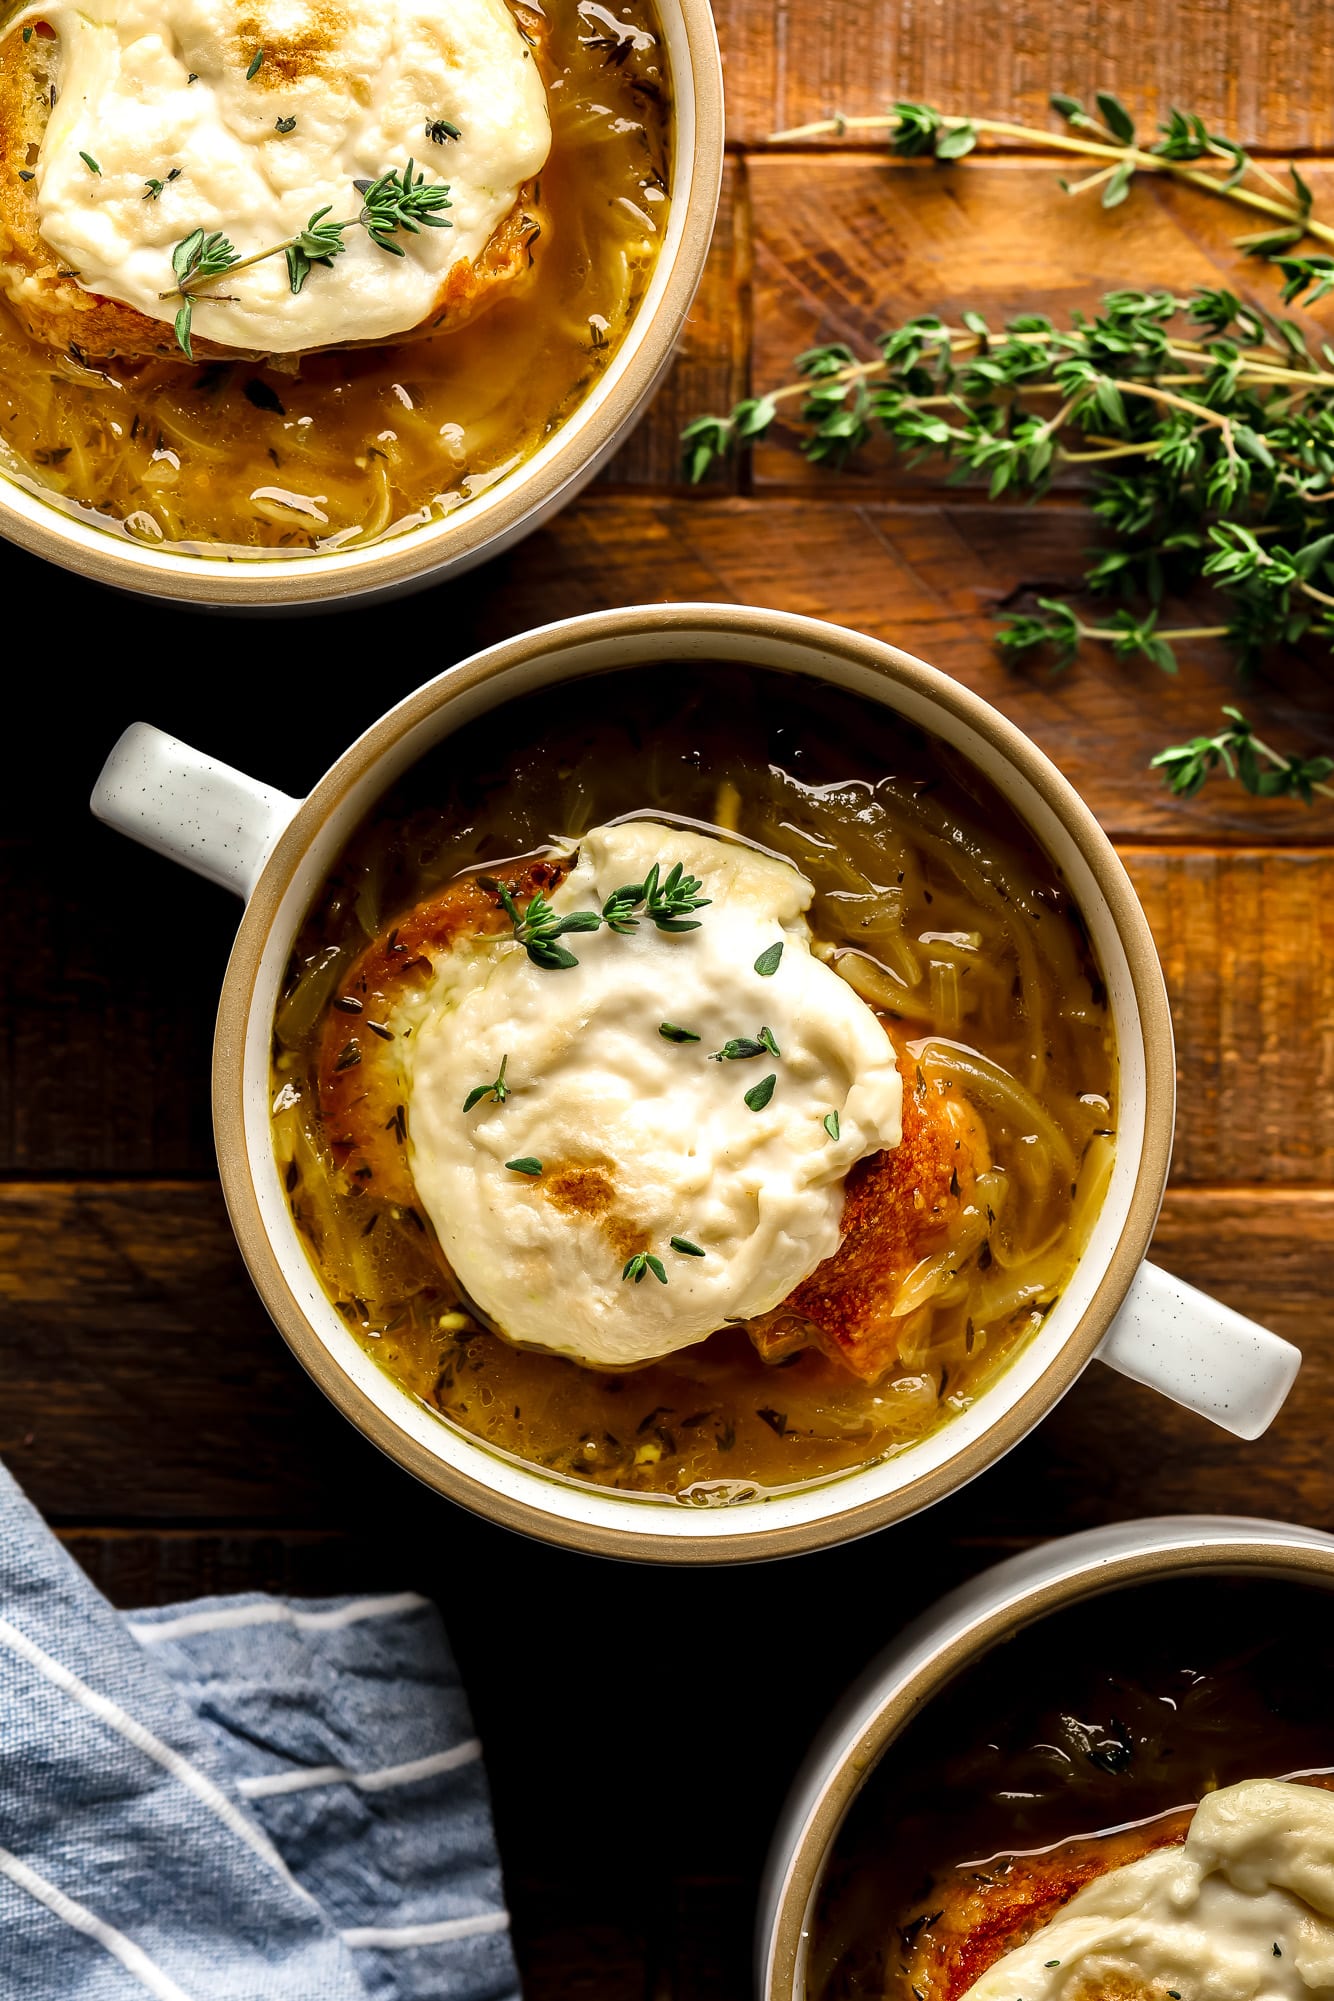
(241, 1799)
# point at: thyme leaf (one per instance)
(830, 1124)
(758, 1098)
(767, 963)
(686, 1248)
(669, 1032)
(526, 1164)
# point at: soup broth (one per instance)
(929, 896)
(233, 459)
(1123, 1711)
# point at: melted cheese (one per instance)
(642, 1138)
(148, 86)
(1244, 1910)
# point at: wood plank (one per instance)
(1267, 1254)
(141, 1383)
(711, 364)
(846, 246)
(1263, 74)
(1247, 944)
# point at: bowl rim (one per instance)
(841, 1522)
(586, 439)
(1096, 1562)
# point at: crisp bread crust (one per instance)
(55, 309)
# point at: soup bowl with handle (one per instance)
(275, 851)
(517, 503)
(952, 1636)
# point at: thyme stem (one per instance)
(1286, 210)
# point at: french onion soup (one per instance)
(1130, 1801)
(297, 275)
(693, 1081)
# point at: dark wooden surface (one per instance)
(642, 1726)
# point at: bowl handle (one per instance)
(1200, 1353)
(190, 808)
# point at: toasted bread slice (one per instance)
(900, 1205)
(55, 309)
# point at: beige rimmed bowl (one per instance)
(520, 501)
(275, 851)
(958, 1631)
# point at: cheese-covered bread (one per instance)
(1243, 1909)
(705, 1082)
(126, 125)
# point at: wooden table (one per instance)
(642, 1726)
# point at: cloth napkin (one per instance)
(239, 1799)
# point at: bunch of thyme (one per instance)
(1206, 424)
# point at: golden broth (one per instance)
(1113, 1713)
(951, 921)
(232, 458)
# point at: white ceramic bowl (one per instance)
(958, 1631)
(277, 850)
(515, 505)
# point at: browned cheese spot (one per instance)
(587, 1191)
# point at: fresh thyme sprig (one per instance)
(1239, 752)
(538, 927)
(641, 1262)
(667, 901)
(1207, 426)
(1185, 149)
(396, 201)
(497, 1089)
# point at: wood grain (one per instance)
(1247, 944)
(1264, 73)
